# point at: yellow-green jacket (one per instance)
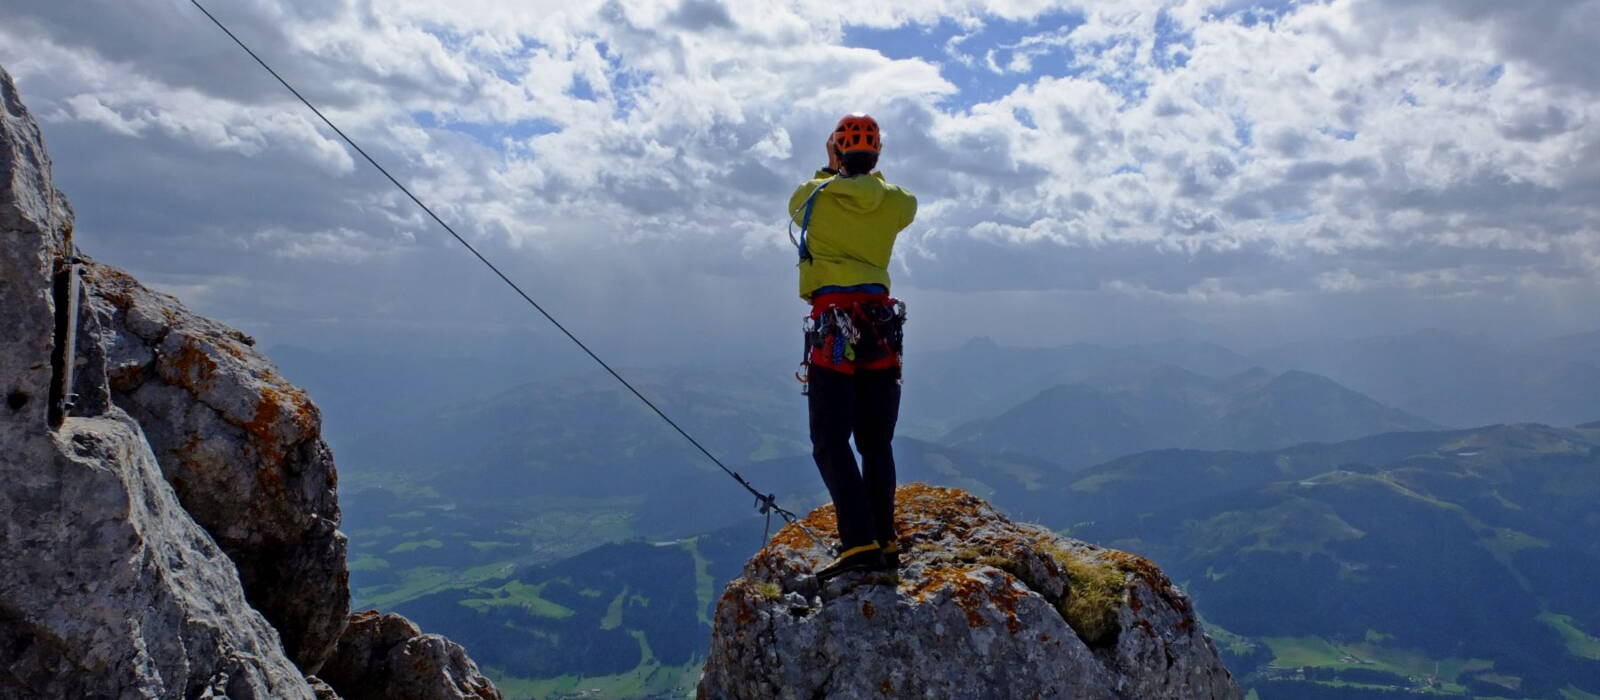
(853, 226)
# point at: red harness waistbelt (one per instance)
(850, 331)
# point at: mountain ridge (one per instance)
(1078, 425)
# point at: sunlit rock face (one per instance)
(982, 607)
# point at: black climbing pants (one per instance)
(866, 405)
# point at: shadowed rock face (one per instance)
(109, 589)
(983, 607)
(386, 656)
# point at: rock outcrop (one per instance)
(386, 656)
(169, 521)
(240, 445)
(982, 608)
(110, 589)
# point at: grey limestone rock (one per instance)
(110, 590)
(385, 656)
(177, 534)
(241, 446)
(982, 608)
(37, 228)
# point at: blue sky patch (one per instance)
(626, 82)
(489, 134)
(1253, 12)
(1243, 130)
(509, 67)
(1172, 44)
(1341, 134)
(1024, 117)
(984, 64)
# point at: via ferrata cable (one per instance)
(766, 503)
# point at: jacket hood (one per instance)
(862, 193)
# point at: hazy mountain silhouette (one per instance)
(981, 379)
(1461, 380)
(1078, 425)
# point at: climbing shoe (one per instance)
(891, 556)
(867, 557)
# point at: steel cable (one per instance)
(765, 503)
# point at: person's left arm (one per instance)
(910, 209)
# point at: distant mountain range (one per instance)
(982, 379)
(1449, 378)
(576, 462)
(1077, 425)
(1475, 548)
(1458, 562)
(1461, 380)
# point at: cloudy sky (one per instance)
(1241, 172)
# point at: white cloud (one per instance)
(1173, 146)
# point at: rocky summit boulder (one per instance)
(386, 656)
(982, 607)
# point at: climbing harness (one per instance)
(860, 332)
(766, 503)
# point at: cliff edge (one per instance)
(982, 607)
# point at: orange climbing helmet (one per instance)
(857, 132)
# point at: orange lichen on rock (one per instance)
(965, 590)
(304, 413)
(920, 508)
(260, 427)
(195, 368)
(745, 613)
(266, 433)
(823, 521)
(232, 350)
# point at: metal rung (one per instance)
(64, 359)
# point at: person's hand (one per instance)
(833, 154)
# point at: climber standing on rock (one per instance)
(848, 217)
